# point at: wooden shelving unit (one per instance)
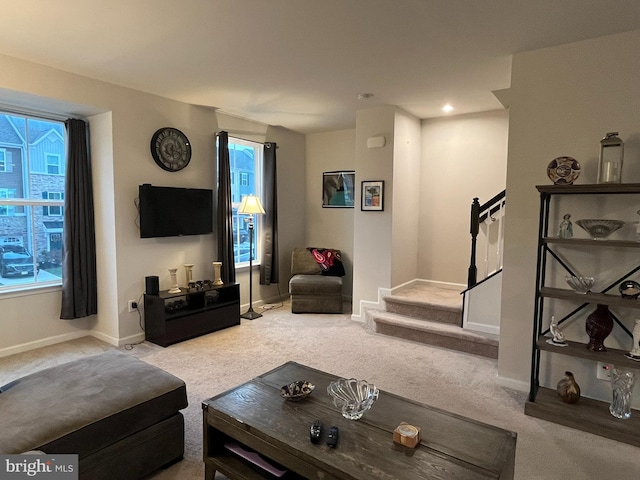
(588, 414)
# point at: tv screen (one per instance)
(171, 211)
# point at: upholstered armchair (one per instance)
(316, 282)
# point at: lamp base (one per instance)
(251, 314)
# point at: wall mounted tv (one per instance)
(171, 211)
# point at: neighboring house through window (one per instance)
(245, 160)
(32, 183)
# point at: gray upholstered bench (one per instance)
(119, 414)
(311, 289)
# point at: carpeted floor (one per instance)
(461, 383)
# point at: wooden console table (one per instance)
(254, 416)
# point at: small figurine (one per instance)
(558, 336)
(634, 354)
(565, 230)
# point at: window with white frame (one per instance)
(52, 210)
(31, 201)
(245, 161)
(53, 163)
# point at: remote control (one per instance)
(332, 440)
(316, 431)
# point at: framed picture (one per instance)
(372, 195)
(338, 189)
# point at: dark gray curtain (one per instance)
(225, 212)
(269, 263)
(79, 280)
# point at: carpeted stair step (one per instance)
(433, 333)
(434, 310)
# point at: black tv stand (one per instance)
(174, 317)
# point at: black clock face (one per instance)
(170, 149)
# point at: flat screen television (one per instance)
(171, 211)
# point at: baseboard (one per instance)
(365, 305)
(43, 342)
(482, 328)
(47, 342)
(513, 384)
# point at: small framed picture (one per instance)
(372, 195)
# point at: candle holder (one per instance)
(611, 156)
(217, 269)
(188, 270)
(174, 281)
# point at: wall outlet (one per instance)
(133, 305)
(604, 371)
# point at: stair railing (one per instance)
(488, 213)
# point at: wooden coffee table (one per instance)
(253, 417)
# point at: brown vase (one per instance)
(568, 389)
(599, 325)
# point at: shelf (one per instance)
(574, 242)
(591, 297)
(587, 415)
(612, 356)
(590, 189)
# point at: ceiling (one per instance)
(301, 64)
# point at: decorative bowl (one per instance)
(600, 228)
(353, 397)
(563, 170)
(580, 284)
(629, 289)
(297, 391)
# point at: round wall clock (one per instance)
(170, 148)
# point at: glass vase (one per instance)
(621, 386)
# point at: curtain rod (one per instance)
(247, 140)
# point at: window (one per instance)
(32, 183)
(7, 210)
(245, 161)
(53, 164)
(52, 211)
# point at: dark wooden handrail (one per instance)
(479, 214)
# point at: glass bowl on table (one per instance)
(353, 397)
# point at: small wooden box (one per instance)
(407, 435)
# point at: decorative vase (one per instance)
(174, 281)
(217, 269)
(621, 386)
(568, 389)
(599, 325)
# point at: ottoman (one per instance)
(119, 414)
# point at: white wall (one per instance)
(463, 157)
(563, 100)
(330, 227)
(403, 192)
(122, 123)
(372, 237)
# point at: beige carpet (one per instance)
(458, 382)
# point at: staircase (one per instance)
(431, 315)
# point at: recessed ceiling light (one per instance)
(365, 96)
(447, 108)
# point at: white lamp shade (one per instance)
(251, 205)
